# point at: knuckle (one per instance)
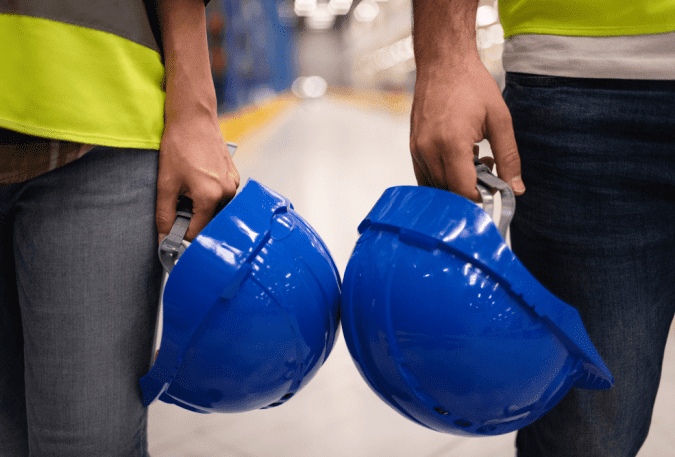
(211, 195)
(236, 180)
(424, 145)
(205, 196)
(442, 137)
(502, 118)
(450, 139)
(164, 184)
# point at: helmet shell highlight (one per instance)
(447, 326)
(251, 310)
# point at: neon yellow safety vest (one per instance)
(587, 17)
(88, 71)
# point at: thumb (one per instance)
(504, 148)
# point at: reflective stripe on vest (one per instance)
(587, 17)
(83, 71)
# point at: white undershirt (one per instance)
(623, 57)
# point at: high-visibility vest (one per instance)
(88, 71)
(587, 17)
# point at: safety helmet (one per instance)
(448, 327)
(251, 308)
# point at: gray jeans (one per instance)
(79, 287)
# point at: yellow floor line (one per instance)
(395, 102)
(249, 120)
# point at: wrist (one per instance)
(189, 95)
(443, 68)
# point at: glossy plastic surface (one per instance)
(448, 327)
(251, 310)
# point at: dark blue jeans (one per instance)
(79, 288)
(597, 228)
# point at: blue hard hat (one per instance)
(251, 308)
(448, 327)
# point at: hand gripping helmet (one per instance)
(250, 308)
(448, 327)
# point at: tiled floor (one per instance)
(333, 160)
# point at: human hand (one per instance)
(453, 109)
(194, 161)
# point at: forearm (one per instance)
(189, 84)
(193, 159)
(444, 33)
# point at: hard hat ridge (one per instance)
(449, 328)
(251, 310)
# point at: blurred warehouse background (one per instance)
(263, 48)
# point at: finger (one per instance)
(204, 203)
(461, 176)
(223, 203)
(422, 173)
(165, 213)
(431, 159)
(230, 187)
(460, 170)
(200, 219)
(504, 149)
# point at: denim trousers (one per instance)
(596, 226)
(79, 288)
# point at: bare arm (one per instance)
(193, 160)
(457, 103)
